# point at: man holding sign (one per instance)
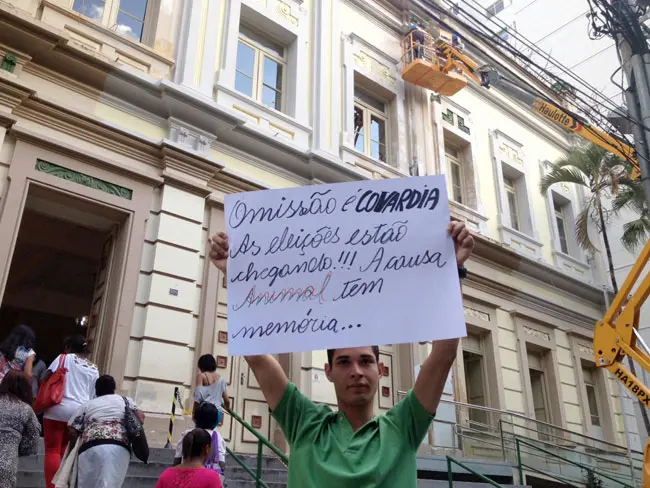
(351, 448)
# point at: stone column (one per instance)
(197, 53)
(327, 76)
(166, 320)
(229, 43)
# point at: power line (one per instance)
(541, 72)
(529, 45)
(496, 39)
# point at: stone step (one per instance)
(268, 475)
(140, 475)
(251, 484)
(165, 458)
(135, 479)
(460, 484)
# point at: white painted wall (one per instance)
(560, 28)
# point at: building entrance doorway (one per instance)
(60, 271)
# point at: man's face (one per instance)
(355, 374)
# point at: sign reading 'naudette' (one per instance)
(342, 265)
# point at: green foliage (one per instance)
(597, 170)
(635, 232)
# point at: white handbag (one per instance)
(66, 476)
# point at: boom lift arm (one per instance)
(440, 66)
(617, 336)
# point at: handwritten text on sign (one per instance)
(345, 265)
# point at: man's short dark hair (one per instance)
(206, 416)
(207, 363)
(330, 354)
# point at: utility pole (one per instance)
(635, 59)
(629, 35)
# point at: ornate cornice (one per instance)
(12, 93)
(7, 120)
(89, 128)
(496, 257)
(539, 271)
(188, 170)
(227, 181)
(257, 162)
(542, 308)
(379, 17)
(37, 138)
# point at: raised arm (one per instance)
(434, 371)
(268, 372)
(29, 367)
(271, 377)
(430, 383)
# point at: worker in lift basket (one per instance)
(351, 448)
(417, 38)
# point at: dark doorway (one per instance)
(52, 276)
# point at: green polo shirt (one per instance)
(326, 453)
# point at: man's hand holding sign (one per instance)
(338, 267)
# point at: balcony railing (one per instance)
(470, 431)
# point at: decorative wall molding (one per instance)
(477, 314)
(12, 61)
(455, 119)
(586, 348)
(371, 64)
(189, 136)
(475, 220)
(12, 94)
(258, 162)
(83, 179)
(284, 11)
(537, 333)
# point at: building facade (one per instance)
(124, 124)
(560, 30)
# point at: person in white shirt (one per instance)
(206, 417)
(104, 452)
(80, 379)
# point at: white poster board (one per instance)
(343, 265)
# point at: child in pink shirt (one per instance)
(191, 473)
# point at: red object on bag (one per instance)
(51, 392)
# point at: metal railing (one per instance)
(261, 443)
(473, 431)
(450, 474)
(590, 472)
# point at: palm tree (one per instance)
(604, 176)
(635, 232)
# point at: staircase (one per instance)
(140, 475)
(541, 454)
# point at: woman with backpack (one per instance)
(197, 449)
(206, 417)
